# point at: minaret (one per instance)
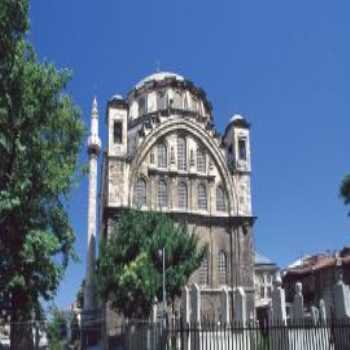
(94, 147)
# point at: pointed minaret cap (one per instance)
(94, 108)
(94, 142)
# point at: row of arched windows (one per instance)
(177, 100)
(222, 269)
(181, 156)
(140, 195)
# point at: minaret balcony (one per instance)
(94, 144)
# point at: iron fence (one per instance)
(330, 335)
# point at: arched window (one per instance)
(201, 161)
(182, 196)
(202, 196)
(220, 199)
(181, 153)
(177, 99)
(222, 266)
(204, 272)
(162, 194)
(140, 193)
(161, 100)
(142, 105)
(162, 156)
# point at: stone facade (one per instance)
(165, 154)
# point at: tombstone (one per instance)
(196, 303)
(323, 312)
(278, 310)
(240, 306)
(298, 303)
(186, 305)
(341, 299)
(154, 313)
(195, 338)
(225, 305)
(315, 315)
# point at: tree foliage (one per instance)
(56, 329)
(40, 136)
(130, 267)
(345, 190)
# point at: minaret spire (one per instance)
(93, 148)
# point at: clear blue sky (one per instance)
(282, 64)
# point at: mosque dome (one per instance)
(168, 93)
(158, 77)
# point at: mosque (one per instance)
(163, 153)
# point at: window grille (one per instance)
(181, 153)
(242, 149)
(162, 194)
(222, 264)
(182, 195)
(204, 272)
(177, 100)
(201, 161)
(118, 132)
(142, 105)
(161, 100)
(220, 199)
(162, 155)
(140, 193)
(202, 196)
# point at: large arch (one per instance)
(197, 132)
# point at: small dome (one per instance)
(116, 97)
(236, 117)
(159, 76)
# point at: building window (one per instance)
(194, 104)
(201, 161)
(140, 193)
(204, 272)
(162, 155)
(222, 264)
(220, 199)
(161, 100)
(177, 99)
(242, 149)
(162, 194)
(202, 197)
(182, 195)
(118, 132)
(142, 105)
(181, 153)
(186, 104)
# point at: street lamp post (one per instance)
(162, 254)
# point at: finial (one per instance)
(94, 110)
(157, 66)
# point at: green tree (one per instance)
(56, 329)
(345, 190)
(40, 137)
(130, 268)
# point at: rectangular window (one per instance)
(242, 149)
(118, 132)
